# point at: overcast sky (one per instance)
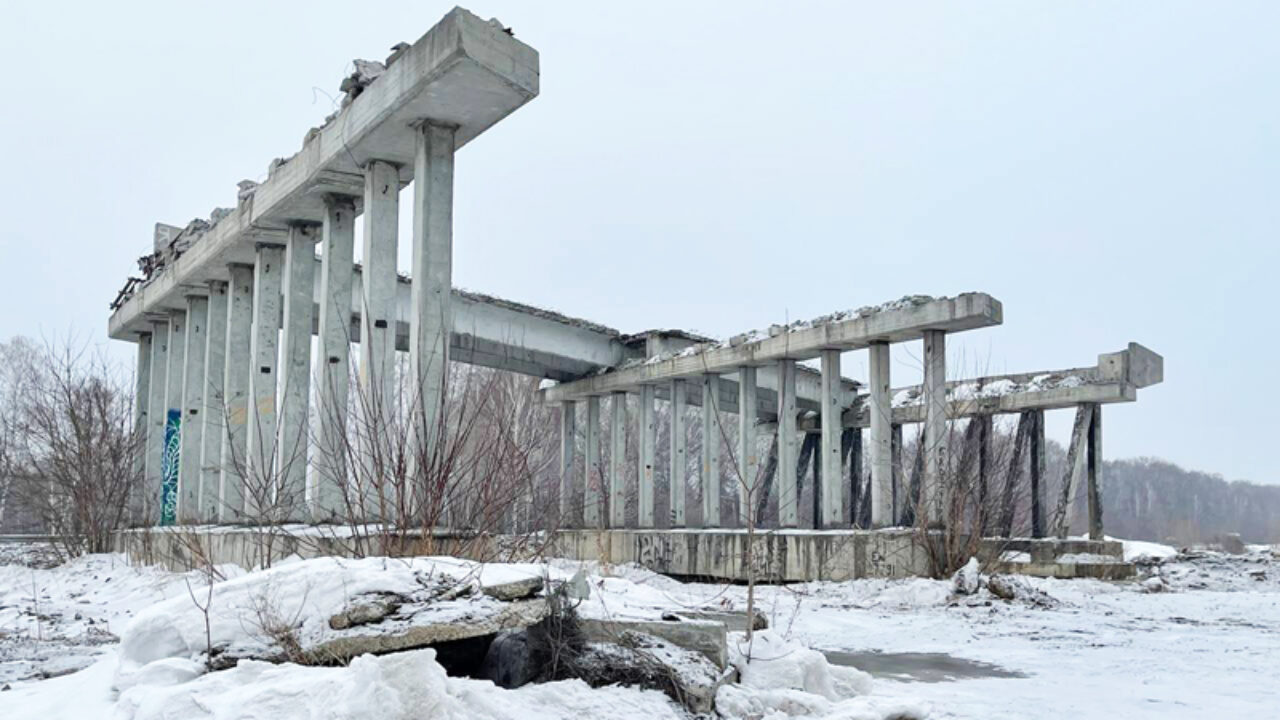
(1109, 171)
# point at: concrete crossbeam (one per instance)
(897, 324)
(463, 72)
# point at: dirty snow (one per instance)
(1207, 643)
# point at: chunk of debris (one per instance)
(367, 609)
(967, 580)
(1154, 584)
(495, 22)
(647, 661)
(366, 71)
(1013, 588)
(514, 590)
(246, 190)
(396, 51)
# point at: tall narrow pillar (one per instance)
(748, 463)
(295, 377)
(268, 274)
(676, 482)
(1094, 462)
(880, 450)
(593, 492)
(378, 306)
(332, 452)
(788, 450)
(233, 476)
(430, 323)
(829, 487)
(568, 446)
(618, 460)
(141, 405)
(935, 425)
(211, 414)
(648, 451)
(171, 462)
(157, 414)
(899, 488)
(1037, 448)
(193, 389)
(710, 450)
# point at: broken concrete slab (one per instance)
(644, 660)
(514, 590)
(706, 637)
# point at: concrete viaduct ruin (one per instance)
(225, 315)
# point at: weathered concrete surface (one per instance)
(706, 637)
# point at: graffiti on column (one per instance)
(169, 468)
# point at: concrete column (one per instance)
(830, 502)
(710, 451)
(788, 449)
(141, 412)
(211, 414)
(568, 446)
(430, 323)
(378, 320)
(157, 414)
(235, 395)
(593, 493)
(899, 488)
(1037, 448)
(337, 247)
(880, 450)
(676, 480)
(1094, 465)
(648, 426)
(748, 462)
(268, 274)
(299, 315)
(618, 460)
(171, 462)
(935, 425)
(193, 404)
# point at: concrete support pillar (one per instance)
(899, 488)
(985, 431)
(935, 425)
(141, 413)
(880, 450)
(378, 319)
(171, 461)
(211, 414)
(268, 276)
(676, 480)
(298, 292)
(593, 493)
(157, 414)
(618, 460)
(710, 451)
(327, 494)
(430, 323)
(648, 436)
(568, 447)
(1037, 448)
(1094, 469)
(233, 478)
(748, 462)
(193, 405)
(830, 496)
(788, 448)
(1077, 451)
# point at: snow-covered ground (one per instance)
(1203, 639)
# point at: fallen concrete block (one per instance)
(706, 637)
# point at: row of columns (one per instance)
(608, 484)
(224, 386)
(605, 487)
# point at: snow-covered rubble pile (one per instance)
(779, 678)
(966, 391)
(328, 609)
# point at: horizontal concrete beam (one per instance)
(1115, 379)
(464, 71)
(897, 322)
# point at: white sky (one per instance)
(1107, 170)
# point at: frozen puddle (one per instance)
(918, 667)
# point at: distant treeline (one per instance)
(1151, 499)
